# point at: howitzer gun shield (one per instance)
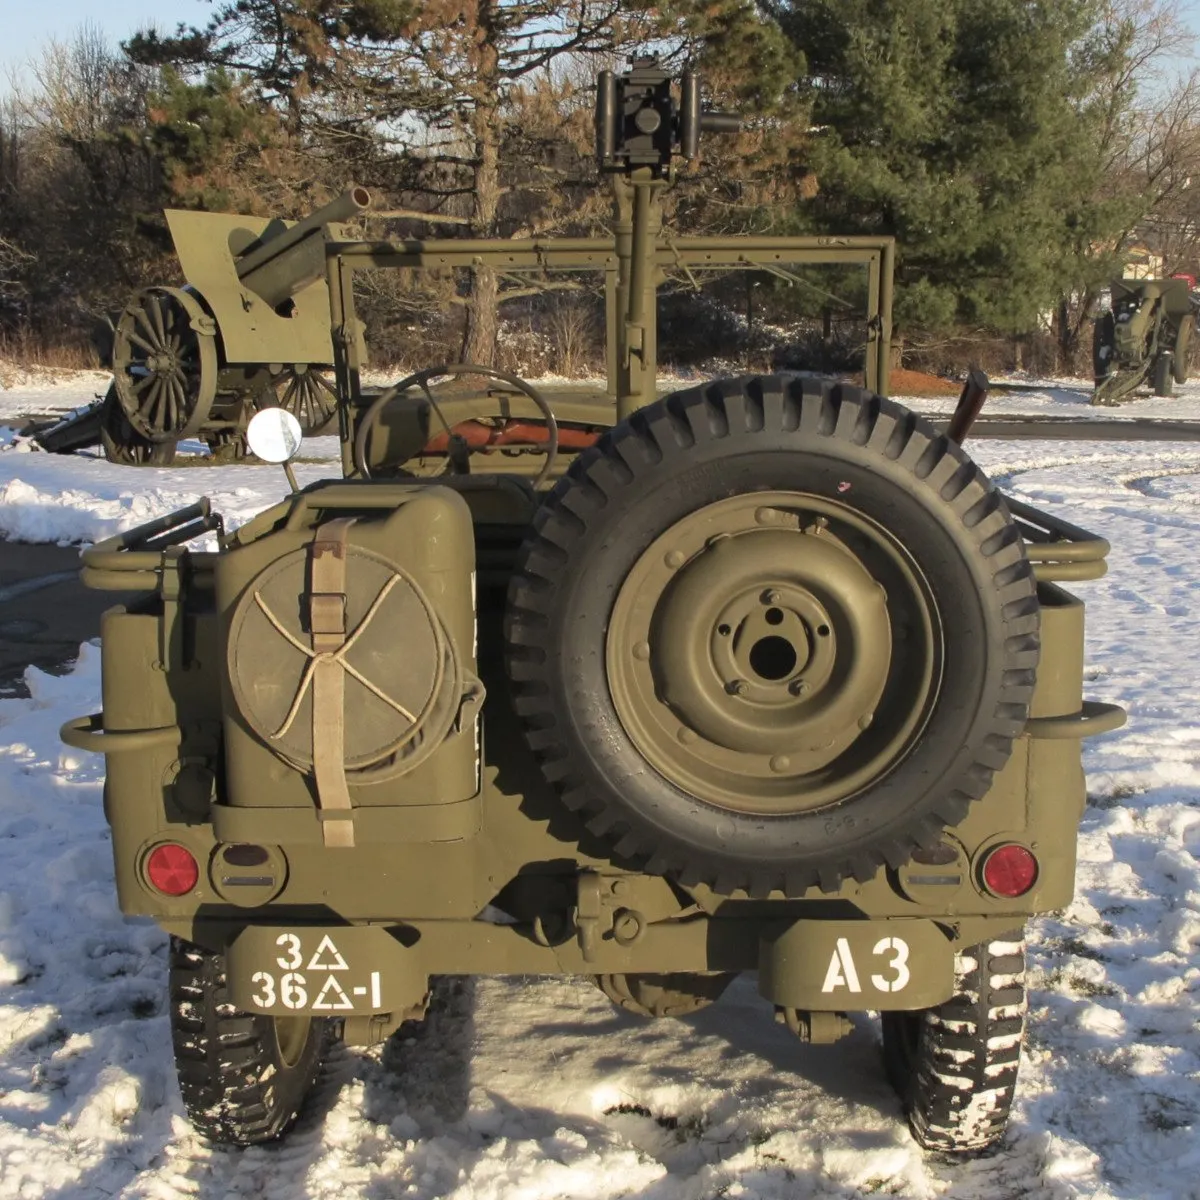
(403, 680)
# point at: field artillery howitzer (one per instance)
(1145, 336)
(770, 679)
(249, 329)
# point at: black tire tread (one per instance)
(958, 1089)
(769, 405)
(235, 1089)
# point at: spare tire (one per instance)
(770, 633)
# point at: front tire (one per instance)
(243, 1077)
(677, 994)
(955, 1066)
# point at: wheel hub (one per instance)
(162, 364)
(751, 645)
(777, 643)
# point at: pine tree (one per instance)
(476, 114)
(963, 128)
(296, 53)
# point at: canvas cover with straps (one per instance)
(339, 662)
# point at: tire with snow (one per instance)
(955, 1066)
(771, 633)
(672, 995)
(243, 1077)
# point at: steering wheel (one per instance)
(422, 378)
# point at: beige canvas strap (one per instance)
(327, 622)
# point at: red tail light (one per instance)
(1009, 870)
(171, 869)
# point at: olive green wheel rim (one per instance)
(291, 1035)
(774, 653)
(165, 364)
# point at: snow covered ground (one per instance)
(538, 1089)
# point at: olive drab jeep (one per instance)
(761, 676)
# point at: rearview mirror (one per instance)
(274, 435)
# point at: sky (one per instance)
(28, 25)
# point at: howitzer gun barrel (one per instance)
(293, 259)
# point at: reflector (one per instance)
(171, 869)
(1010, 870)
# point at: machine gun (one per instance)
(639, 124)
(640, 130)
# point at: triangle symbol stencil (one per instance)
(333, 960)
(339, 998)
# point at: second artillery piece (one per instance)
(1144, 337)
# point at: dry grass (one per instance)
(23, 349)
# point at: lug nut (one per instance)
(797, 687)
(737, 687)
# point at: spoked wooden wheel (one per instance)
(165, 364)
(307, 392)
(122, 443)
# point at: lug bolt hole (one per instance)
(822, 631)
(774, 616)
(724, 630)
(773, 658)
